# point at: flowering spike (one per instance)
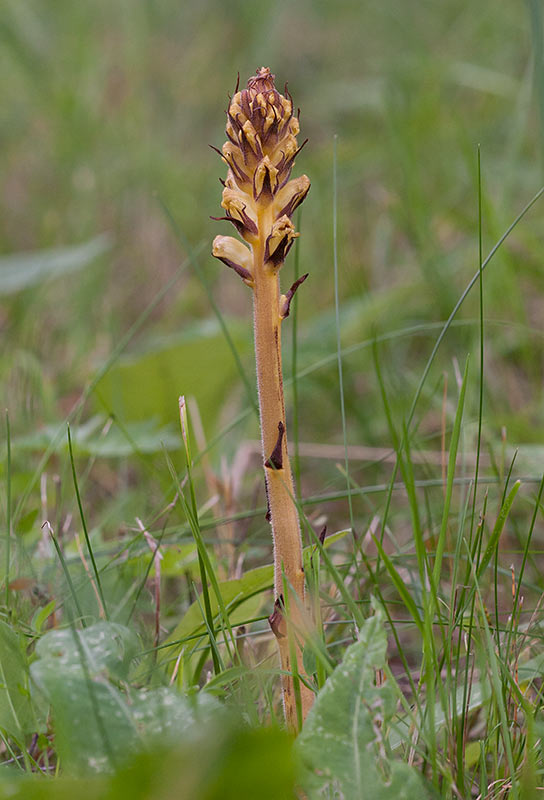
(260, 152)
(259, 199)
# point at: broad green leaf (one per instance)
(166, 716)
(15, 786)
(97, 724)
(16, 712)
(238, 596)
(42, 438)
(198, 363)
(213, 762)
(106, 648)
(93, 724)
(250, 764)
(141, 437)
(179, 559)
(235, 593)
(343, 742)
(309, 661)
(23, 270)
(533, 668)
(96, 438)
(94, 728)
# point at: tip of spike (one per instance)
(263, 80)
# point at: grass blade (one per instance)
(8, 509)
(452, 465)
(84, 525)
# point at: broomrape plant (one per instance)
(259, 200)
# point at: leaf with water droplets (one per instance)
(105, 647)
(344, 742)
(98, 723)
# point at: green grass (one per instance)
(414, 388)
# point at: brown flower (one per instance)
(260, 153)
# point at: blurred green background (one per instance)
(111, 306)
(107, 112)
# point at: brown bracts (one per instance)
(259, 198)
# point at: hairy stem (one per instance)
(279, 483)
(259, 199)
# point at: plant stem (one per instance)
(279, 481)
(260, 199)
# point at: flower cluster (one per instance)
(258, 197)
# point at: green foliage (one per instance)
(104, 648)
(97, 437)
(198, 362)
(225, 762)
(110, 107)
(241, 598)
(24, 270)
(344, 742)
(17, 716)
(98, 723)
